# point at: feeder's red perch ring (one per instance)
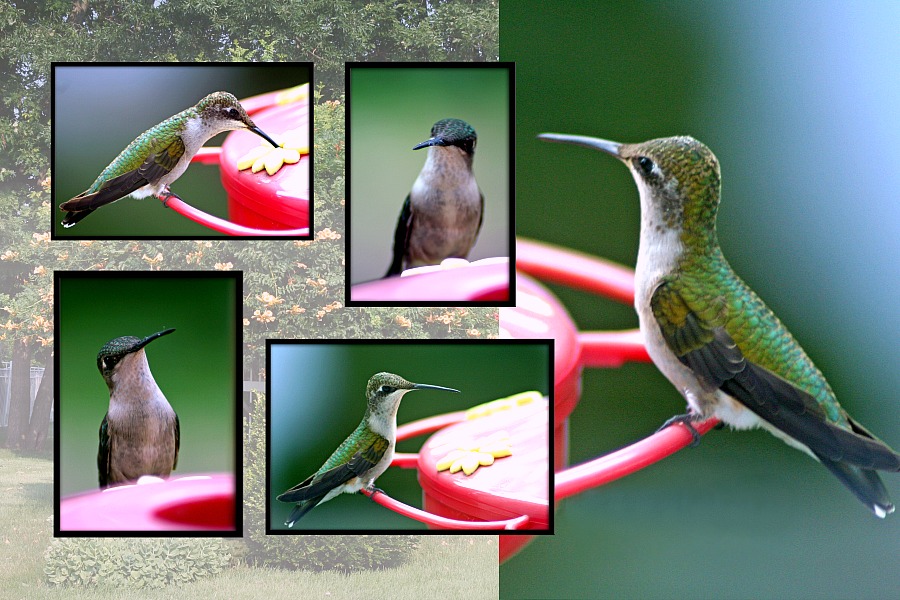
(628, 460)
(211, 155)
(590, 474)
(430, 519)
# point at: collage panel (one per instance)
(254, 182)
(148, 409)
(657, 171)
(472, 435)
(431, 194)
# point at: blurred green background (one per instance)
(390, 111)
(194, 366)
(99, 110)
(318, 399)
(800, 103)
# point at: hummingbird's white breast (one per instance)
(659, 253)
(446, 206)
(140, 422)
(196, 132)
(383, 421)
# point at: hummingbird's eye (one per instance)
(233, 114)
(646, 165)
(386, 389)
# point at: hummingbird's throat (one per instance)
(381, 416)
(662, 206)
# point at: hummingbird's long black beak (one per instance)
(261, 134)
(150, 338)
(606, 146)
(425, 386)
(435, 141)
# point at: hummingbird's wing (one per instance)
(157, 165)
(177, 442)
(706, 348)
(480, 215)
(852, 454)
(103, 453)
(401, 238)
(317, 486)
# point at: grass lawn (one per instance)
(445, 567)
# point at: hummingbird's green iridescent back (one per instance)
(362, 437)
(758, 333)
(157, 138)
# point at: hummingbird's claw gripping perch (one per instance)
(687, 420)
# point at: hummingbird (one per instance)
(161, 155)
(712, 336)
(140, 434)
(442, 215)
(364, 455)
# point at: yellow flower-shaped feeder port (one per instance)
(265, 156)
(508, 403)
(472, 454)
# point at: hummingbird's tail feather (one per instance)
(112, 190)
(865, 485)
(300, 510)
(74, 217)
(798, 414)
(115, 189)
(305, 501)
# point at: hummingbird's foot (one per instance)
(374, 490)
(167, 195)
(687, 420)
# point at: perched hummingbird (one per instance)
(442, 214)
(712, 336)
(140, 434)
(161, 154)
(364, 455)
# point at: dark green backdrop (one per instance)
(194, 366)
(391, 110)
(318, 399)
(99, 110)
(800, 104)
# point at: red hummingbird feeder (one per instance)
(196, 502)
(261, 204)
(485, 280)
(514, 500)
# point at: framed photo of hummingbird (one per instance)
(153, 124)
(156, 376)
(336, 433)
(430, 184)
